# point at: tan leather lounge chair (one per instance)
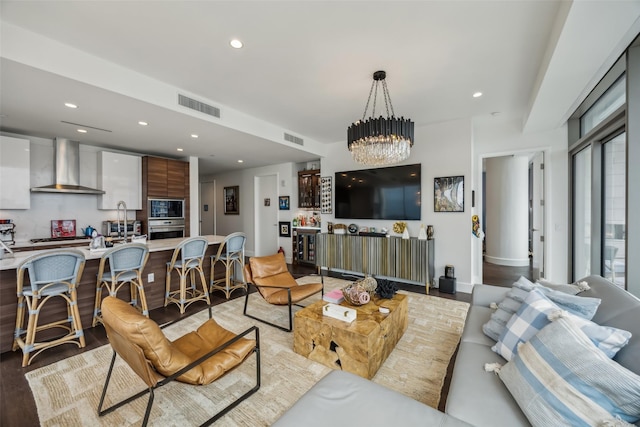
(269, 274)
(199, 357)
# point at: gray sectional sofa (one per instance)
(480, 398)
(476, 397)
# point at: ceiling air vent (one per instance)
(185, 101)
(293, 139)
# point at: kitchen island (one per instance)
(160, 252)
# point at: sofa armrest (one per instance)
(484, 295)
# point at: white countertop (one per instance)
(15, 259)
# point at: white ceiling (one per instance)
(305, 69)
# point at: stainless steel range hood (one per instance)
(67, 170)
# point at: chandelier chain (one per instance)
(387, 97)
(366, 107)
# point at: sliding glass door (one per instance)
(582, 213)
(614, 209)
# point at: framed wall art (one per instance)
(284, 229)
(325, 195)
(232, 200)
(283, 203)
(448, 194)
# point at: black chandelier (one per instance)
(381, 141)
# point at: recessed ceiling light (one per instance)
(180, 149)
(477, 94)
(193, 135)
(82, 130)
(70, 105)
(240, 161)
(236, 44)
(141, 123)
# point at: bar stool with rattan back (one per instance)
(230, 254)
(187, 260)
(54, 273)
(125, 265)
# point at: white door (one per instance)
(207, 208)
(537, 212)
(266, 215)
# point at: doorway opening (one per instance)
(513, 210)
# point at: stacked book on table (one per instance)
(335, 296)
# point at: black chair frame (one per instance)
(289, 304)
(174, 376)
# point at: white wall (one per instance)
(245, 222)
(443, 149)
(502, 136)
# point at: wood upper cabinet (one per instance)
(309, 189)
(156, 176)
(167, 178)
(176, 171)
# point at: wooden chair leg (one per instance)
(19, 322)
(143, 297)
(167, 282)
(75, 315)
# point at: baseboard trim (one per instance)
(508, 262)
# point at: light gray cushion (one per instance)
(581, 306)
(479, 397)
(472, 332)
(344, 399)
(560, 378)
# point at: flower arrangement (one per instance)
(475, 226)
(399, 227)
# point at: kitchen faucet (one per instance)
(122, 204)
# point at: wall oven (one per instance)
(165, 228)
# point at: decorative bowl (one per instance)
(360, 292)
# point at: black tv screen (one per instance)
(382, 193)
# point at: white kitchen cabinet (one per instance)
(120, 176)
(15, 176)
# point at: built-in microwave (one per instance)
(166, 208)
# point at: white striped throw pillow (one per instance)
(560, 378)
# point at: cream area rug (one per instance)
(67, 392)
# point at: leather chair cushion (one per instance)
(267, 266)
(168, 357)
(208, 337)
(298, 293)
(272, 270)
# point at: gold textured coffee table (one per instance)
(359, 347)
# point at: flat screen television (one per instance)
(391, 193)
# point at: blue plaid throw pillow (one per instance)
(533, 315)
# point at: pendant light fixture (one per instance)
(380, 141)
